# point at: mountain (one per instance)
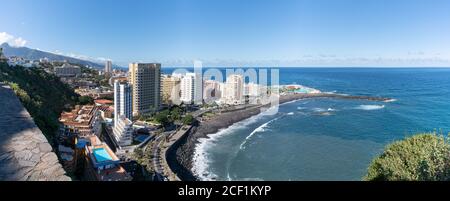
(33, 54)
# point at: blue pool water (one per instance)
(141, 138)
(101, 155)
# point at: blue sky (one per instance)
(236, 32)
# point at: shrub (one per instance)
(188, 119)
(423, 157)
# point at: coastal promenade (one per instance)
(171, 175)
(25, 154)
(171, 144)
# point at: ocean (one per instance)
(328, 139)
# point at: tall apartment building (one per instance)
(108, 67)
(211, 90)
(122, 101)
(251, 89)
(234, 89)
(192, 88)
(145, 81)
(187, 88)
(170, 89)
(253, 92)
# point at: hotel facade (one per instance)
(146, 86)
(122, 101)
(170, 89)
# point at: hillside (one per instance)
(33, 54)
(42, 94)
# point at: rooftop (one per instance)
(103, 101)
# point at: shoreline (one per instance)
(182, 156)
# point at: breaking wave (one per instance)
(201, 159)
(261, 128)
(369, 107)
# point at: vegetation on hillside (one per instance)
(424, 157)
(42, 94)
(85, 100)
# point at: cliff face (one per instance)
(25, 153)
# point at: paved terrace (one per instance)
(25, 153)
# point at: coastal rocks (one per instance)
(25, 154)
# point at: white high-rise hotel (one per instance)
(122, 101)
(234, 89)
(123, 114)
(187, 88)
(108, 67)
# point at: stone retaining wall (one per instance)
(25, 154)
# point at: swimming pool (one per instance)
(101, 155)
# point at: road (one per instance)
(159, 146)
(156, 155)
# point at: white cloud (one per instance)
(19, 42)
(88, 58)
(82, 57)
(12, 40)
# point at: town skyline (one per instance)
(234, 34)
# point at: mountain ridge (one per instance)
(34, 54)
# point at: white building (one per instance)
(198, 89)
(211, 90)
(253, 92)
(234, 90)
(122, 101)
(123, 131)
(251, 89)
(67, 70)
(187, 88)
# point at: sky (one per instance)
(250, 33)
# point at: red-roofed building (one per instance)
(103, 102)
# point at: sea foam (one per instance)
(201, 159)
(370, 107)
(261, 128)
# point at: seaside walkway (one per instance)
(25, 154)
(173, 139)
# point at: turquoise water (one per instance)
(329, 139)
(101, 155)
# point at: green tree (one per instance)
(162, 117)
(175, 113)
(188, 119)
(423, 157)
(84, 100)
